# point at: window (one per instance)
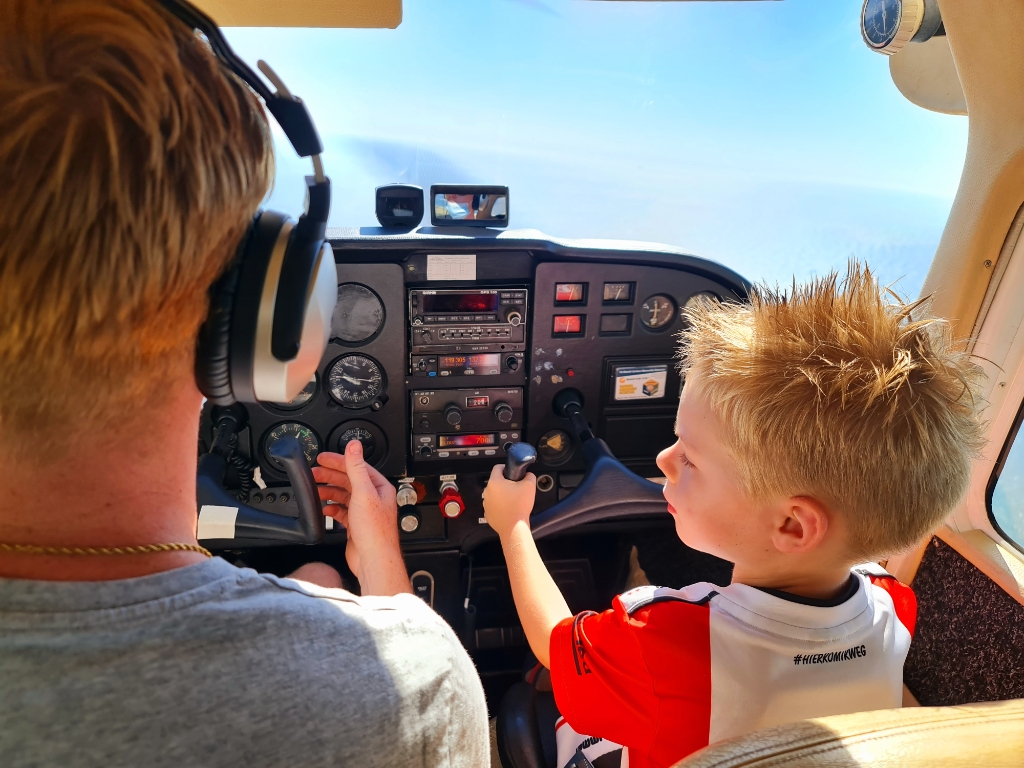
(765, 136)
(1006, 489)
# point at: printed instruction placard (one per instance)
(640, 382)
(460, 266)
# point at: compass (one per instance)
(888, 25)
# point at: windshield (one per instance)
(763, 135)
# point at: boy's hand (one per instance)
(506, 502)
(364, 503)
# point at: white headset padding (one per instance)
(275, 381)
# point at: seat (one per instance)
(526, 728)
(968, 736)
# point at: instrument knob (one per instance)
(406, 496)
(451, 503)
(514, 317)
(426, 335)
(503, 412)
(512, 362)
(453, 415)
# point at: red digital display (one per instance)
(460, 302)
(466, 441)
(449, 362)
(478, 402)
(567, 324)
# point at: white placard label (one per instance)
(216, 522)
(451, 266)
(642, 382)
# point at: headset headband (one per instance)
(289, 111)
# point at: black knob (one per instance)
(426, 335)
(511, 362)
(517, 463)
(514, 317)
(503, 412)
(453, 415)
(425, 450)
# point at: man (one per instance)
(130, 164)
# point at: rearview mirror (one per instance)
(468, 205)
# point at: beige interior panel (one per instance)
(926, 74)
(384, 14)
(986, 38)
(990, 735)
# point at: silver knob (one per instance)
(406, 496)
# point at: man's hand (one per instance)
(507, 502)
(364, 503)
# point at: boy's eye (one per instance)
(686, 461)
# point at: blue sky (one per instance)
(763, 135)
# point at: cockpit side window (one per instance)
(1006, 488)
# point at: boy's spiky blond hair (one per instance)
(130, 164)
(836, 392)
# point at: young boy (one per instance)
(816, 431)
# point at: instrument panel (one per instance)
(436, 371)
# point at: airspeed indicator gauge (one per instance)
(355, 381)
(307, 439)
(658, 312)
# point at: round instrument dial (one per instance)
(880, 20)
(307, 439)
(360, 434)
(658, 311)
(375, 444)
(300, 399)
(358, 315)
(699, 297)
(355, 381)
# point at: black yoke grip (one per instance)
(520, 457)
(254, 525)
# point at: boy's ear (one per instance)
(802, 527)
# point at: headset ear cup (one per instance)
(213, 346)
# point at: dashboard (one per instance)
(448, 346)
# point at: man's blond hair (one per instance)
(130, 164)
(836, 392)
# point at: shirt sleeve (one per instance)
(601, 681)
(903, 600)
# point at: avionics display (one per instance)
(467, 441)
(489, 364)
(468, 332)
(471, 301)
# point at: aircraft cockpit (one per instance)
(515, 209)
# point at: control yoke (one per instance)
(252, 523)
(608, 491)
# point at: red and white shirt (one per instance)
(666, 672)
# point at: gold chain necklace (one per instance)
(143, 549)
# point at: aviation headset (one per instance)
(270, 311)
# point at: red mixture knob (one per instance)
(451, 503)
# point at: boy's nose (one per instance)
(664, 464)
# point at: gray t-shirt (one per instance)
(212, 665)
